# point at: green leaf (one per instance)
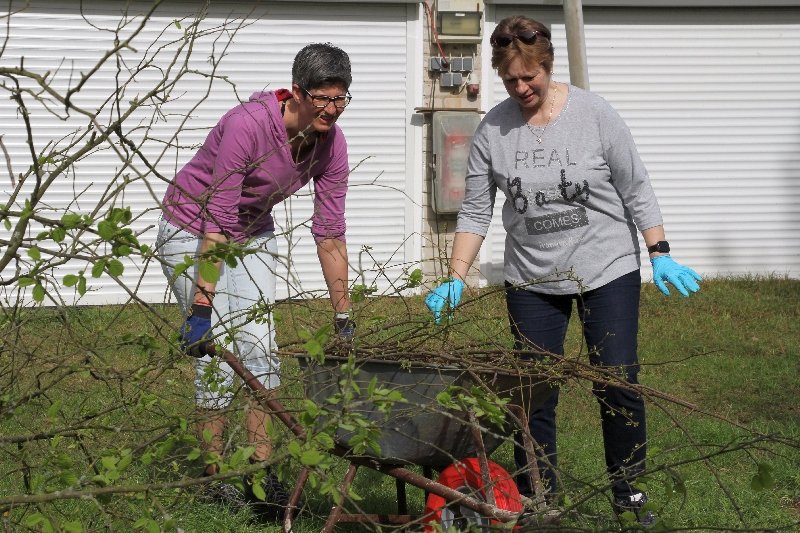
(180, 268)
(147, 523)
(120, 215)
(33, 520)
(628, 519)
(58, 234)
(123, 250)
(106, 230)
(98, 268)
(763, 479)
(125, 460)
(82, 285)
(72, 527)
(115, 267)
(209, 271)
(258, 491)
(294, 448)
(311, 457)
(38, 292)
(444, 398)
(62, 460)
(194, 454)
(178, 24)
(395, 396)
(25, 281)
(240, 456)
(109, 462)
(70, 280)
(34, 253)
(71, 220)
(7, 224)
(325, 441)
(415, 278)
(69, 478)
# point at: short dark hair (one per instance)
(541, 52)
(321, 64)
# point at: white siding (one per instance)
(712, 97)
(259, 55)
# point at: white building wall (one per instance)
(712, 97)
(253, 53)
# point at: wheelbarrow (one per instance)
(471, 489)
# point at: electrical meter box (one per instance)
(452, 136)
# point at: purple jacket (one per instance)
(245, 168)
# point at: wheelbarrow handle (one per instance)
(263, 394)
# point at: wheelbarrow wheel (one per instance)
(465, 477)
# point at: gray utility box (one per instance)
(452, 137)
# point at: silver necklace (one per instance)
(549, 117)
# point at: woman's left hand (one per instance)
(683, 278)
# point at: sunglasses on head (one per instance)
(501, 40)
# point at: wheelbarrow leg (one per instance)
(294, 499)
(482, 459)
(427, 471)
(336, 512)
(530, 452)
(402, 501)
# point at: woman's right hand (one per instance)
(194, 331)
(447, 294)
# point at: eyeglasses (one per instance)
(501, 40)
(320, 101)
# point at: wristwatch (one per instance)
(661, 247)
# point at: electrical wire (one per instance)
(432, 23)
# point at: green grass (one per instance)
(80, 383)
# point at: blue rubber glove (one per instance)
(194, 329)
(683, 278)
(447, 294)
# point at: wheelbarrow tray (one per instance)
(419, 430)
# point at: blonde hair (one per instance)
(541, 52)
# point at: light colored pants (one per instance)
(250, 282)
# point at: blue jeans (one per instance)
(610, 318)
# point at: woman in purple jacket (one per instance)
(257, 155)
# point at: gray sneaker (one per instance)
(634, 503)
(221, 493)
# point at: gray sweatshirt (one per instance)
(572, 203)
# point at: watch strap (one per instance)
(660, 247)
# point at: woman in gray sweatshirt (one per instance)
(576, 192)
